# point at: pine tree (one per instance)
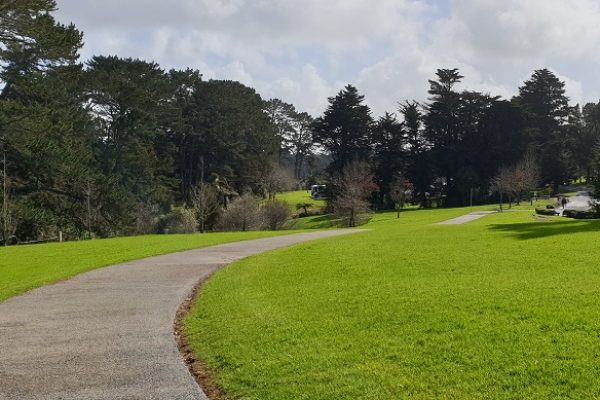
(345, 129)
(547, 114)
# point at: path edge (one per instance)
(202, 374)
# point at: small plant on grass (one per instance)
(304, 207)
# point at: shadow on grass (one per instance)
(325, 221)
(534, 230)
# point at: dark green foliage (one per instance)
(44, 133)
(127, 100)
(225, 132)
(345, 129)
(585, 139)
(579, 214)
(547, 114)
(389, 154)
(595, 178)
(107, 149)
(471, 135)
(418, 170)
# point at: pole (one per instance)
(89, 208)
(471, 197)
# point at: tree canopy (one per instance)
(113, 145)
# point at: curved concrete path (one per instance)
(108, 334)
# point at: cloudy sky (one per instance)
(303, 51)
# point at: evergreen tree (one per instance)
(389, 156)
(419, 168)
(43, 141)
(128, 100)
(547, 114)
(229, 135)
(300, 141)
(345, 129)
(585, 139)
(442, 127)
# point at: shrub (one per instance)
(545, 211)
(179, 220)
(276, 213)
(305, 207)
(579, 214)
(146, 218)
(242, 214)
(205, 201)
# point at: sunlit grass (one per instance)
(300, 197)
(502, 307)
(23, 268)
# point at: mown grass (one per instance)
(23, 268)
(299, 197)
(503, 307)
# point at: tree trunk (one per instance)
(4, 198)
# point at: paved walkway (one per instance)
(108, 334)
(466, 218)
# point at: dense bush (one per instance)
(275, 214)
(242, 214)
(578, 214)
(146, 218)
(179, 220)
(545, 211)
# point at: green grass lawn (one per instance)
(23, 268)
(300, 196)
(503, 307)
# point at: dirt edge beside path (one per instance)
(203, 375)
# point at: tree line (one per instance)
(118, 146)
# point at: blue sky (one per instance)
(303, 51)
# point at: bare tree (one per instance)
(399, 189)
(277, 181)
(502, 184)
(205, 201)
(275, 214)
(242, 214)
(354, 187)
(517, 180)
(526, 176)
(300, 140)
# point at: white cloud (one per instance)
(236, 71)
(305, 50)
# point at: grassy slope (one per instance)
(23, 268)
(299, 196)
(503, 307)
